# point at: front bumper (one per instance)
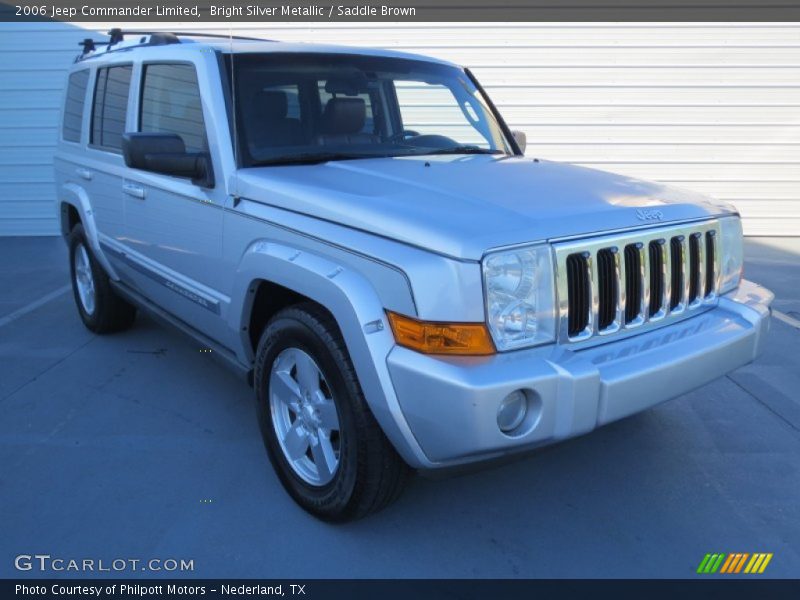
(450, 404)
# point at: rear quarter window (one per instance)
(73, 106)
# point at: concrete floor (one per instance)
(137, 446)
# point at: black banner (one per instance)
(258, 11)
(483, 589)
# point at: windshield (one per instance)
(293, 108)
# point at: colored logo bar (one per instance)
(735, 562)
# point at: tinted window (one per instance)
(110, 106)
(301, 107)
(292, 98)
(73, 106)
(432, 108)
(369, 122)
(171, 104)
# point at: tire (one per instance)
(361, 472)
(100, 308)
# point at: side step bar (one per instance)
(220, 353)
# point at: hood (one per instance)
(462, 206)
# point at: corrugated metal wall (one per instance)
(712, 107)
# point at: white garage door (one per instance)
(715, 108)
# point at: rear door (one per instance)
(104, 167)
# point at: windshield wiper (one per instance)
(464, 150)
(309, 158)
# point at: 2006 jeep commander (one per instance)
(358, 233)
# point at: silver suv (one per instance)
(359, 235)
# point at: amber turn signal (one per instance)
(441, 338)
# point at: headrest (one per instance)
(270, 104)
(348, 85)
(344, 116)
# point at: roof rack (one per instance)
(221, 36)
(90, 45)
(156, 38)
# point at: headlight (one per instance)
(519, 290)
(732, 253)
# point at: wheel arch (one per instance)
(74, 204)
(355, 307)
(267, 299)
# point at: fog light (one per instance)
(512, 411)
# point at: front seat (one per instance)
(342, 122)
(269, 125)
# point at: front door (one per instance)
(173, 231)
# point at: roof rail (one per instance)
(196, 34)
(156, 38)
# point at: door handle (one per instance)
(84, 174)
(133, 189)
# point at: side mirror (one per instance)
(166, 153)
(521, 139)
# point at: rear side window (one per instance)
(110, 106)
(171, 104)
(73, 106)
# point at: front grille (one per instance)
(711, 261)
(614, 283)
(580, 293)
(656, 277)
(607, 277)
(695, 258)
(633, 282)
(676, 266)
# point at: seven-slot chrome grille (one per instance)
(629, 281)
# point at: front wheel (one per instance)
(327, 449)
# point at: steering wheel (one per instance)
(402, 136)
(433, 140)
